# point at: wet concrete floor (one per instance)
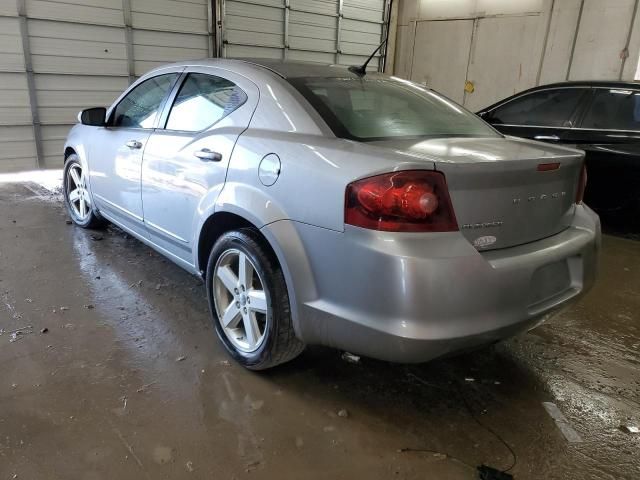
(129, 381)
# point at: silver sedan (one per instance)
(327, 206)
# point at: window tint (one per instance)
(141, 107)
(377, 109)
(202, 101)
(614, 109)
(552, 108)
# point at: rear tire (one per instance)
(249, 302)
(77, 199)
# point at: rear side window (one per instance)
(202, 101)
(547, 108)
(141, 107)
(614, 110)
(369, 109)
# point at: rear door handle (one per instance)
(548, 138)
(134, 144)
(207, 155)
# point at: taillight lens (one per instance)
(582, 185)
(407, 201)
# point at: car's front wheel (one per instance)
(249, 301)
(76, 194)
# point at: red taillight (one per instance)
(407, 201)
(582, 184)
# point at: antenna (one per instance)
(361, 71)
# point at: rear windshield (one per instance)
(369, 109)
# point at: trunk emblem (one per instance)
(475, 226)
(485, 241)
(544, 196)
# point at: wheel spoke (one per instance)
(257, 301)
(245, 270)
(83, 208)
(82, 178)
(231, 316)
(228, 278)
(251, 329)
(74, 195)
(74, 176)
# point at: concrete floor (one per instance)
(130, 382)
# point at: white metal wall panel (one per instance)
(14, 99)
(18, 149)
(11, 57)
(61, 97)
(153, 48)
(170, 15)
(74, 48)
(259, 25)
(312, 32)
(94, 12)
(327, 31)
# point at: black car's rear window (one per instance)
(368, 109)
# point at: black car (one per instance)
(601, 118)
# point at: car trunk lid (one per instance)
(505, 191)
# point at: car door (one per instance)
(546, 115)
(116, 150)
(185, 160)
(609, 133)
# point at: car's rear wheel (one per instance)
(76, 195)
(249, 301)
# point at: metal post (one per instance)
(285, 50)
(386, 26)
(339, 31)
(31, 86)
(128, 39)
(222, 42)
(575, 39)
(210, 28)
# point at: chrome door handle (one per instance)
(134, 144)
(548, 138)
(207, 155)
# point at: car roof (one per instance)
(591, 83)
(282, 68)
(568, 84)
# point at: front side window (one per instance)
(141, 107)
(546, 108)
(369, 109)
(202, 101)
(614, 109)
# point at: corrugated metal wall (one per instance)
(330, 31)
(81, 53)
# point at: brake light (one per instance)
(406, 201)
(582, 184)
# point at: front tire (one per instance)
(249, 302)
(77, 199)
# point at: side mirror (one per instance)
(94, 117)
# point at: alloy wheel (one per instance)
(77, 193)
(240, 300)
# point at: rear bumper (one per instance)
(411, 297)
